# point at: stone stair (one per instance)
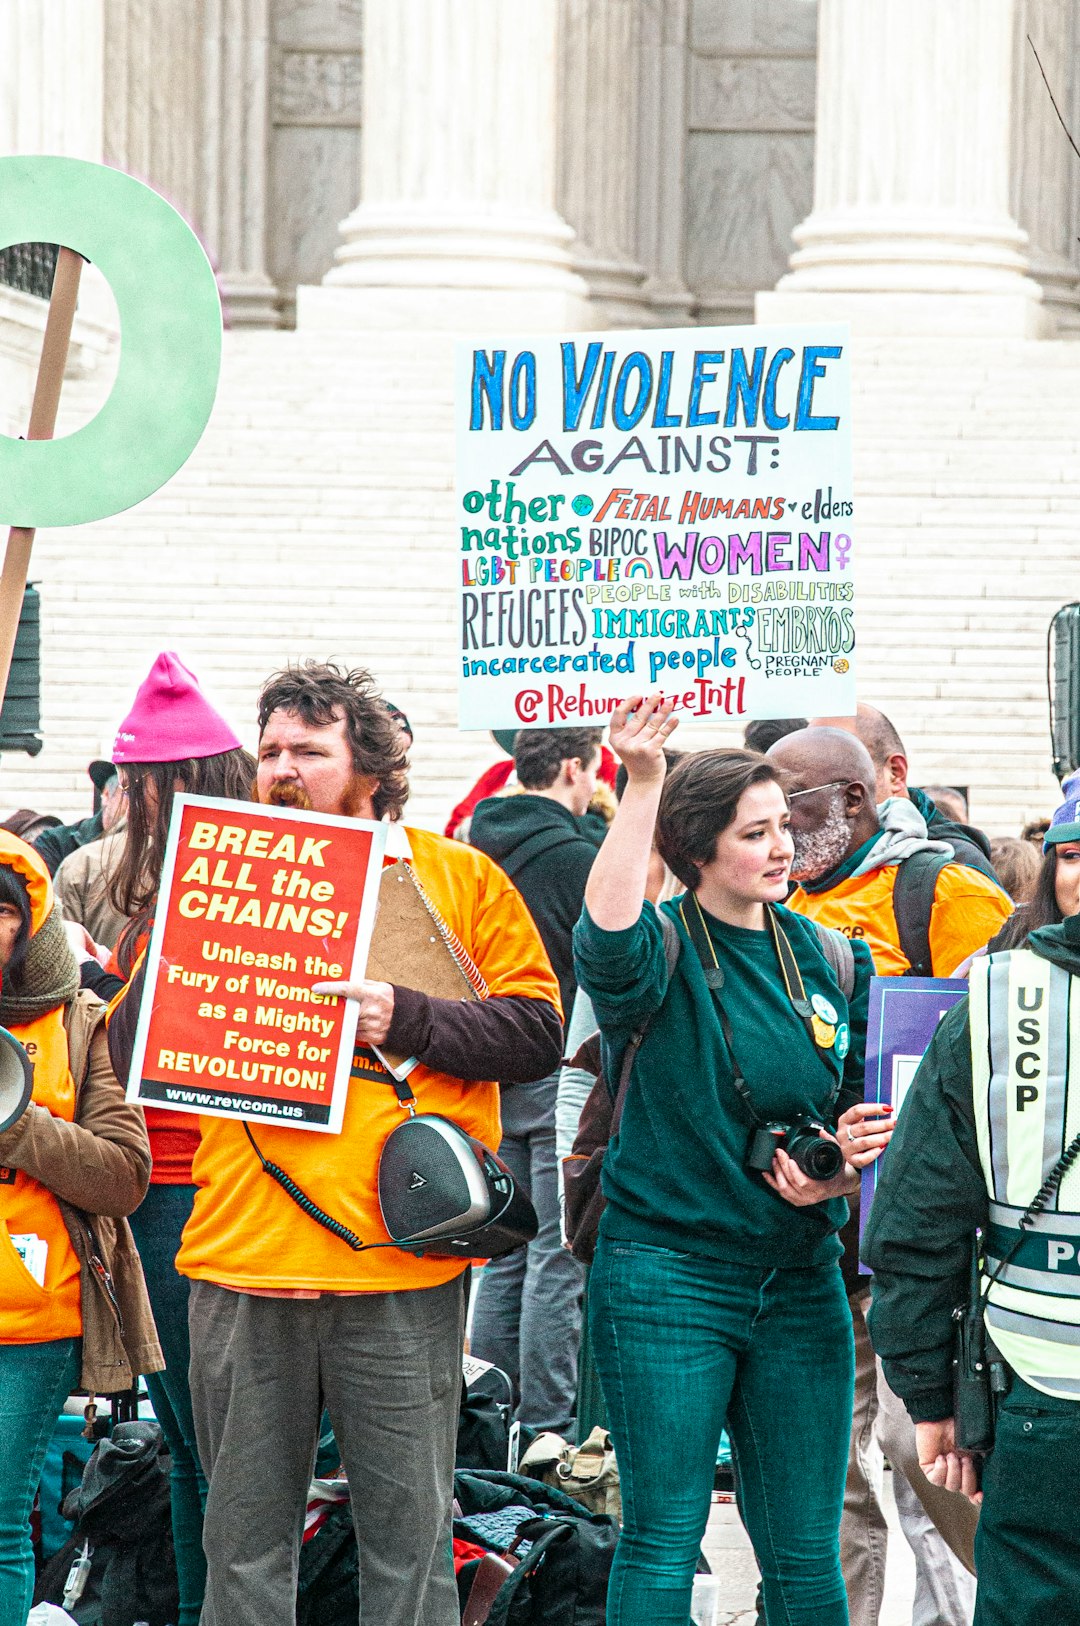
(316, 518)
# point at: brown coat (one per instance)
(98, 1167)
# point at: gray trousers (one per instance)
(939, 1525)
(388, 1368)
(527, 1318)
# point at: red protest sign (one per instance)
(256, 904)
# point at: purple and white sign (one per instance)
(902, 1019)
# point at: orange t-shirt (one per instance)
(968, 909)
(246, 1233)
(174, 1139)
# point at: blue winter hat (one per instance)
(1065, 824)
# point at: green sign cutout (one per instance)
(170, 341)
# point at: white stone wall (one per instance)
(316, 516)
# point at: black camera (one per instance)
(817, 1158)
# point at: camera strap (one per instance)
(794, 986)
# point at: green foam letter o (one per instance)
(170, 341)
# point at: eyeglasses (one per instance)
(834, 784)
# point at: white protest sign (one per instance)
(655, 510)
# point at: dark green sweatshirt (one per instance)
(930, 1198)
(674, 1174)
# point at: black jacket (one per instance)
(547, 852)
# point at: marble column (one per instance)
(911, 229)
(50, 102)
(661, 162)
(235, 156)
(51, 77)
(457, 223)
(599, 109)
(1045, 170)
(151, 122)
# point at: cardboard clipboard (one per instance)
(407, 948)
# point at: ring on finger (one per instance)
(850, 1136)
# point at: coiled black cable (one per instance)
(1035, 1208)
(309, 1206)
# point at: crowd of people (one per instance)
(702, 923)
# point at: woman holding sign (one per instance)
(172, 740)
(716, 1299)
(73, 1310)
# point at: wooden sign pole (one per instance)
(50, 381)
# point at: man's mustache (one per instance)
(283, 793)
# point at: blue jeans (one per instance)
(156, 1225)
(35, 1380)
(686, 1345)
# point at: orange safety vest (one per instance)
(29, 1313)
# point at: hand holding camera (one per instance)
(809, 1165)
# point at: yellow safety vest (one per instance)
(1025, 1054)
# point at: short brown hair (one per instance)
(539, 753)
(318, 692)
(698, 801)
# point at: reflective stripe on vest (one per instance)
(1026, 1077)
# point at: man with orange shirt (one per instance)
(849, 857)
(284, 1316)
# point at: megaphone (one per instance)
(444, 1193)
(16, 1080)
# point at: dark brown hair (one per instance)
(318, 692)
(539, 753)
(133, 885)
(698, 801)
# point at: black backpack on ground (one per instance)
(123, 1535)
(563, 1578)
(328, 1590)
(484, 1417)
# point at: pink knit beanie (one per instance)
(172, 719)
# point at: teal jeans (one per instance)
(35, 1380)
(156, 1226)
(685, 1346)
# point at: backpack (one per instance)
(328, 1585)
(122, 1547)
(601, 1115)
(487, 1405)
(563, 1578)
(913, 903)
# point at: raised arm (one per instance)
(615, 892)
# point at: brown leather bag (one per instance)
(583, 1198)
(491, 1572)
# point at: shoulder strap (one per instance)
(81, 1018)
(840, 955)
(672, 947)
(913, 902)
